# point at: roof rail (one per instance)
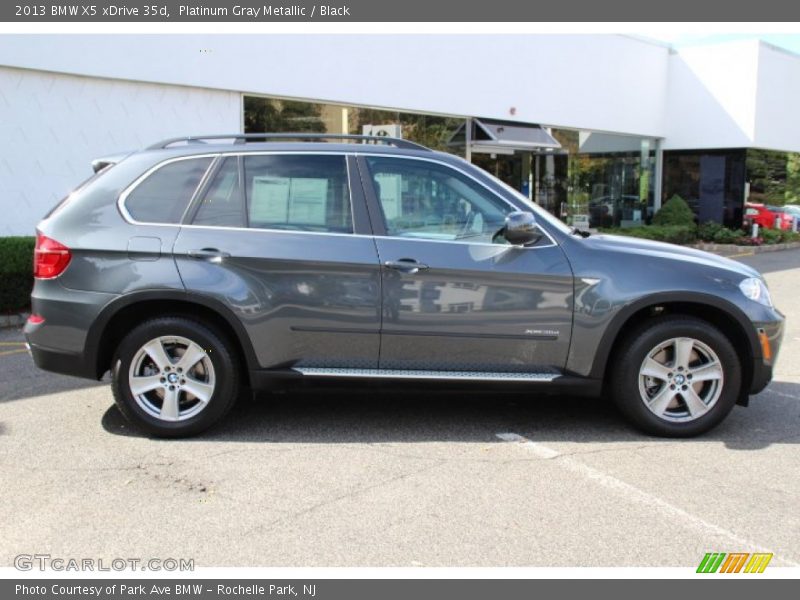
(242, 138)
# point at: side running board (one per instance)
(541, 377)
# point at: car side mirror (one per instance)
(521, 229)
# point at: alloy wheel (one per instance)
(680, 379)
(171, 378)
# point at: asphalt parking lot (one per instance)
(380, 478)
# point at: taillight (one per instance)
(50, 258)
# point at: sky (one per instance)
(786, 41)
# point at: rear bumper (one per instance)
(60, 343)
(57, 361)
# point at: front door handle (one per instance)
(209, 254)
(406, 265)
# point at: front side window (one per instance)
(164, 195)
(298, 192)
(421, 199)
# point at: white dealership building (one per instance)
(603, 126)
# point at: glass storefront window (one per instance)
(594, 179)
(269, 115)
(711, 181)
(611, 180)
(274, 115)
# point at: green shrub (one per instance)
(716, 233)
(771, 236)
(16, 272)
(675, 212)
(673, 234)
(777, 236)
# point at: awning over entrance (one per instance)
(491, 136)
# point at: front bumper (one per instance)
(771, 334)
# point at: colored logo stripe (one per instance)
(711, 562)
(717, 561)
(734, 562)
(758, 562)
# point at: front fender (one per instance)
(590, 357)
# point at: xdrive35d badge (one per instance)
(203, 265)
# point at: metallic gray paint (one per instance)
(275, 281)
(476, 306)
(303, 300)
(625, 275)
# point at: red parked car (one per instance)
(764, 217)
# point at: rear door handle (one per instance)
(210, 254)
(406, 265)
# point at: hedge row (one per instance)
(16, 272)
(674, 234)
(674, 223)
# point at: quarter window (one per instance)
(426, 200)
(164, 195)
(298, 192)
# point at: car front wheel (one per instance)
(676, 376)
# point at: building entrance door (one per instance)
(541, 176)
(508, 168)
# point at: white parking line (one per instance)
(631, 492)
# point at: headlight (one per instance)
(755, 289)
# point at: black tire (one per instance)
(224, 370)
(637, 346)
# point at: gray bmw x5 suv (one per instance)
(200, 266)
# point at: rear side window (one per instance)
(164, 195)
(298, 192)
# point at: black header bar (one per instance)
(255, 11)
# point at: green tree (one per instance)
(766, 172)
(793, 178)
(267, 115)
(431, 131)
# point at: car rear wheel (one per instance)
(676, 376)
(174, 377)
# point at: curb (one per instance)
(732, 250)
(13, 319)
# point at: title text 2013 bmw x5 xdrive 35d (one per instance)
(201, 265)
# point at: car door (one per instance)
(456, 297)
(283, 241)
